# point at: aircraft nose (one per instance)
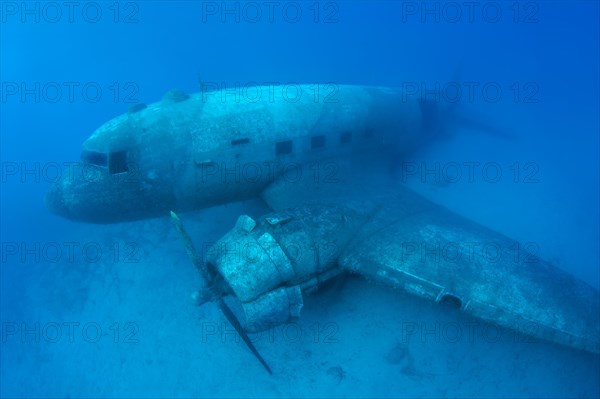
(55, 200)
(76, 199)
(92, 195)
(80, 197)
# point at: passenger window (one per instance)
(346, 138)
(117, 162)
(317, 142)
(240, 141)
(283, 147)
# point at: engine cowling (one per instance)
(267, 265)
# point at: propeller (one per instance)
(214, 293)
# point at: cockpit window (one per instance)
(94, 158)
(245, 140)
(117, 162)
(317, 142)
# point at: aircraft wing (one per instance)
(384, 231)
(436, 254)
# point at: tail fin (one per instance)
(441, 121)
(477, 123)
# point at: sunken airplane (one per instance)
(316, 159)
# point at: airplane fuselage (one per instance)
(211, 148)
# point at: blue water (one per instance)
(105, 311)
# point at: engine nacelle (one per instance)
(267, 265)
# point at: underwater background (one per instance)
(106, 310)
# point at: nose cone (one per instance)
(82, 197)
(92, 194)
(55, 200)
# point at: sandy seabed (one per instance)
(145, 337)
